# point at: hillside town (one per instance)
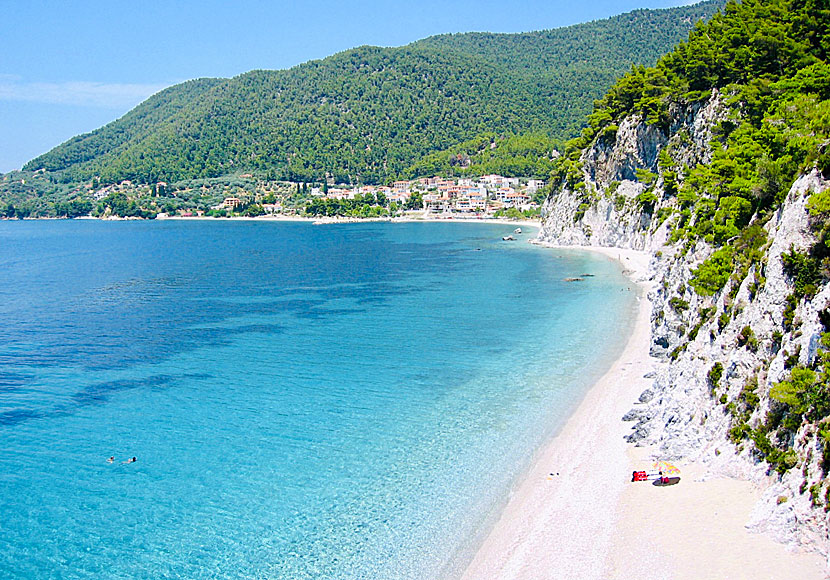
(247, 195)
(487, 194)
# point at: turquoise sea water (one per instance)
(343, 401)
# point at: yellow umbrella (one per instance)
(666, 467)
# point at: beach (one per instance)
(323, 220)
(576, 514)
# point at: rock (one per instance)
(639, 434)
(679, 414)
(632, 415)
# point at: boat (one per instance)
(517, 231)
(508, 238)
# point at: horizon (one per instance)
(66, 71)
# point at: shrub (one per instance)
(789, 311)
(804, 270)
(715, 374)
(646, 201)
(711, 276)
(646, 177)
(739, 432)
(677, 351)
(747, 338)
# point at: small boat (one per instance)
(517, 231)
(508, 238)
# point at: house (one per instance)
(339, 193)
(437, 202)
(231, 203)
(516, 199)
(463, 204)
(493, 181)
(502, 192)
(399, 198)
(401, 186)
(477, 197)
(534, 185)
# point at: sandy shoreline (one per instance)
(337, 220)
(576, 515)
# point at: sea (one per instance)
(342, 401)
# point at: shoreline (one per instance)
(344, 220)
(576, 515)
(529, 223)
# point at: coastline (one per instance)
(575, 514)
(335, 220)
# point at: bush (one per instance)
(711, 276)
(715, 374)
(747, 338)
(804, 271)
(646, 177)
(789, 311)
(646, 201)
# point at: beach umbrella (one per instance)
(666, 467)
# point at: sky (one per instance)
(70, 67)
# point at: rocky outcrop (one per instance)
(693, 408)
(610, 187)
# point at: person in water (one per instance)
(131, 460)
(111, 459)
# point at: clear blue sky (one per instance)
(69, 67)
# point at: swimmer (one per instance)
(131, 460)
(111, 459)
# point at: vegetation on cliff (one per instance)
(765, 62)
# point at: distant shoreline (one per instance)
(314, 220)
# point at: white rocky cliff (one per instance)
(721, 353)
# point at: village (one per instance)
(486, 195)
(246, 195)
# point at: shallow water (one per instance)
(342, 401)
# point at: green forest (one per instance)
(368, 115)
(768, 59)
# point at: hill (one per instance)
(367, 114)
(717, 162)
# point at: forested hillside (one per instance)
(717, 160)
(525, 155)
(368, 114)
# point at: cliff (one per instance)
(724, 353)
